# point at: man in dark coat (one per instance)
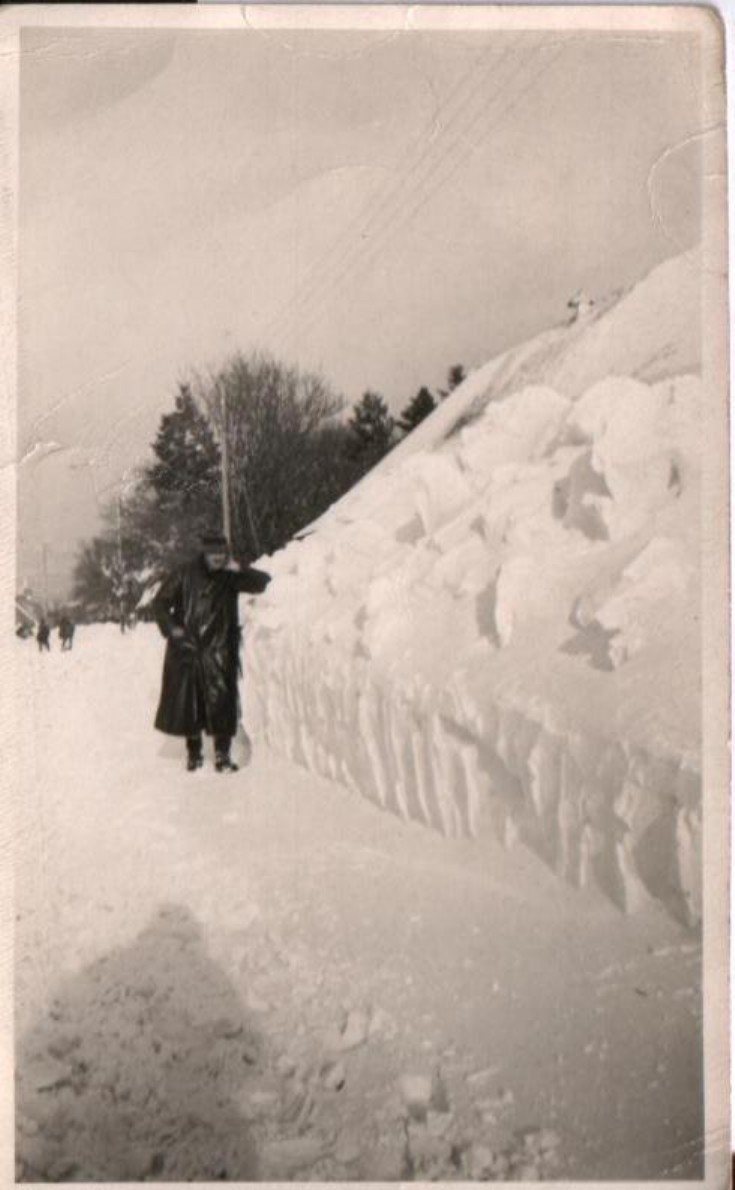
(43, 636)
(66, 633)
(196, 610)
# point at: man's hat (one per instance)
(217, 541)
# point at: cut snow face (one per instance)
(498, 628)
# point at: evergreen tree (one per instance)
(179, 495)
(371, 429)
(417, 409)
(455, 376)
(187, 467)
(110, 575)
(170, 503)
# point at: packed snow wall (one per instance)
(499, 627)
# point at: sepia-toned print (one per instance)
(366, 383)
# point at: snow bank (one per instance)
(498, 628)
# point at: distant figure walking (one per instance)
(196, 610)
(66, 633)
(43, 636)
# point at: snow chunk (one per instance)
(519, 592)
(511, 431)
(658, 575)
(630, 470)
(438, 488)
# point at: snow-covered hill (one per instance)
(499, 627)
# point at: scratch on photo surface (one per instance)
(381, 39)
(657, 214)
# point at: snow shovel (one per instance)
(242, 748)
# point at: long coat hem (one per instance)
(199, 691)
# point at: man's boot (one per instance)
(194, 756)
(222, 761)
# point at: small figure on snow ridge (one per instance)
(580, 305)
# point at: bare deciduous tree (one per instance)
(275, 418)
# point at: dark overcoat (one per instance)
(200, 670)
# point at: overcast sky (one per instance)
(379, 206)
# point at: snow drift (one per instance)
(499, 627)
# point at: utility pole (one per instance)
(225, 466)
(44, 560)
(120, 559)
(225, 483)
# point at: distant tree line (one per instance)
(290, 455)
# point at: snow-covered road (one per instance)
(233, 976)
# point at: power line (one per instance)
(377, 203)
(396, 221)
(357, 220)
(386, 210)
(458, 151)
